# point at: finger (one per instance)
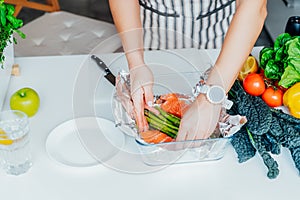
(192, 135)
(138, 104)
(149, 99)
(139, 120)
(182, 133)
(152, 109)
(212, 124)
(145, 122)
(145, 125)
(148, 94)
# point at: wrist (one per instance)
(213, 94)
(135, 58)
(221, 76)
(204, 102)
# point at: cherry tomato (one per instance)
(273, 96)
(254, 84)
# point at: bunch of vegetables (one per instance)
(266, 132)
(277, 78)
(8, 25)
(282, 61)
(256, 84)
(164, 125)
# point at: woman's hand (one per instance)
(199, 121)
(141, 81)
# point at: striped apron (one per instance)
(170, 24)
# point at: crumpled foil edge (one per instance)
(123, 110)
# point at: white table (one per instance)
(54, 79)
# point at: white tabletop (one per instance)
(58, 82)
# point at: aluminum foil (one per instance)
(123, 111)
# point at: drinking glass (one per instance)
(293, 26)
(15, 155)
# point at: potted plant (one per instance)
(8, 25)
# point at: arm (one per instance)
(200, 120)
(126, 16)
(241, 36)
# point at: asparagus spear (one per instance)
(160, 119)
(161, 127)
(172, 118)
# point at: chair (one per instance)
(49, 6)
(63, 33)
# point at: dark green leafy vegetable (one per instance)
(282, 61)
(252, 107)
(242, 145)
(291, 73)
(281, 40)
(295, 153)
(291, 137)
(280, 55)
(275, 128)
(273, 70)
(295, 62)
(266, 54)
(283, 131)
(293, 47)
(259, 145)
(272, 143)
(271, 165)
(297, 127)
(281, 115)
(289, 77)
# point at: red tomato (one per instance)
(254, 84)
(273, 96)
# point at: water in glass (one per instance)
(14, 142)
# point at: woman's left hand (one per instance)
(199, 121)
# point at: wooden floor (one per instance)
(99, 9)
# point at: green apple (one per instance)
(26, 100)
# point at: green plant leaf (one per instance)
(3, 15)
(8, 25)
(21, 34)
(10, 10)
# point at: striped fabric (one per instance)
(170, 24)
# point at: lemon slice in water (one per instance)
(4, 139)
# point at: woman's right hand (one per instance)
(141, 82)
